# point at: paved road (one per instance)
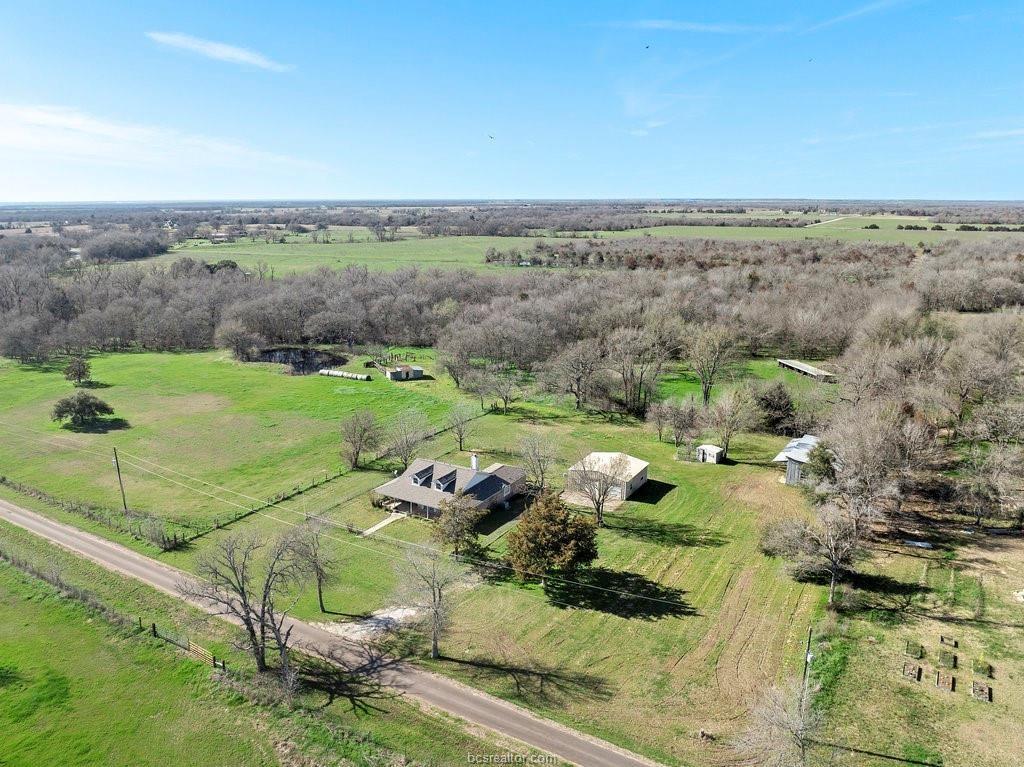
(445, 694)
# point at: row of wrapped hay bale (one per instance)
(345, 374)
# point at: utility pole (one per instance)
(807, 664)
(120, 482)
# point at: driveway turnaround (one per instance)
(445, 694)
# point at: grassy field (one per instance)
(249, 426)
(77, 692)
(710, 622)
(74, 690)
(300, 253)
(691, 538)
(964, 589)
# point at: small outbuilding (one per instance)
(628, 473)
(404, 373)
(795, 454)
(805, 369)
(709, 454)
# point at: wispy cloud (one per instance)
(57, 131)
(892, 130)
(715, 28)
(647, 127)
(856, 13)
(219, 51)
(990, 135)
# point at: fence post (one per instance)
(153, 626)
(140, 623)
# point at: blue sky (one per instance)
(182, 100)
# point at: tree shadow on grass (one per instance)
(9, 675)
(881, 597)
(498, 516)
(90, 384)
(535, 680)
(43, 366)
(628, 595)
(665, 533)
(99, 426)
(356, 676)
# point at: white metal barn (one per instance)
(630, 473)
(795, 455)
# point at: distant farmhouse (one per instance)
(795, 455)
(629, 473)
(403, 372)
(427, 484)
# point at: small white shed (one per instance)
(709, 454)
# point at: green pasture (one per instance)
(250, 427)
(689, 540)
(299, 252)
(74, 691)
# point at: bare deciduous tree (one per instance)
(360, 432)
(538, 458)
(574, 370)
(408, 431)
(460, 421)
(987, 480)
(783, 728)
(730, 414)
(428, 578)
(968, 378)
(247, 579)
(505, 383)
(683, 419)
(658, 415)
(709, 351)
(319, 560)
(835, 542)
(637, 356)
(599, 481)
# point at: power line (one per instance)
(397, 541)
(411, 544)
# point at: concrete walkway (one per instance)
(392, 517)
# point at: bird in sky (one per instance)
(490, 137)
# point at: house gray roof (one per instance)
(798, 449)
(430, 483)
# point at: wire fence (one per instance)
(185, 644)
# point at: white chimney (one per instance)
(474, 462)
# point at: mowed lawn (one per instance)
(694, 623)
(74, 691)
(250, 427)
(299, 253)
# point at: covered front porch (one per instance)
(411, 509)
